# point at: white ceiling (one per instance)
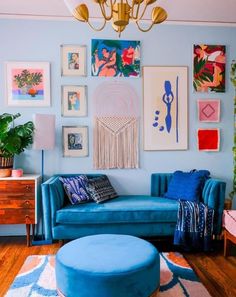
(179, 11)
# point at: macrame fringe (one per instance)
(115, 142)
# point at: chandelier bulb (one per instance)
(149, 2)
(81, 13)
(159, 15)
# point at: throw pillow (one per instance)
(100, 189)
(75, 188)
(187, 185)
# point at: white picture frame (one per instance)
(74, 101)
(165, 106)
(75, 141)
(27, 84)
(73, 60)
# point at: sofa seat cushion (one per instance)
(123, 209)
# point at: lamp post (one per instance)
(44, 139)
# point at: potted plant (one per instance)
(13, 140)
(26, 81)
(233, 80)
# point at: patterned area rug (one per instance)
(37, 278)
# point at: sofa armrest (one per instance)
(159, 183)
(52, 199)
(213, 195)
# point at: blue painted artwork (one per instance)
(168, 98)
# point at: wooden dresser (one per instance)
(20, 201)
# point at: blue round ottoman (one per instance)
(107, 266)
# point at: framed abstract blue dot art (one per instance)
(165, 104)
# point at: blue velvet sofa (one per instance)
(139, 215)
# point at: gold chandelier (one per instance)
(119, 12)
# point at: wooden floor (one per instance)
(217, 273)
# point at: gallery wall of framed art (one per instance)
(165, 142)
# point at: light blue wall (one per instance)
(165, 45)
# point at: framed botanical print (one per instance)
(74, 101)
(209, 68)
(28, 84)
(75, 141)
(73, 60)
(165, 104)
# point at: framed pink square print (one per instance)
(208, 110)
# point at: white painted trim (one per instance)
(98, 19)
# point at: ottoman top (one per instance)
(107, 253)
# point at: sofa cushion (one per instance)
(187, 185)
(100, 189)
(75, 188)
(123, 209)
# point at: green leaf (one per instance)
(14, 139)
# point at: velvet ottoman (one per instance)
(108, 266)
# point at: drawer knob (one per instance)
(28, 187)
(27, 202)
(27, 219)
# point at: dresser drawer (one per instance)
(17, 203)
(17, 189)
(17, 216)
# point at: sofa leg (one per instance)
(61, 242)
(226, 247)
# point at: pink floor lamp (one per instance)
(44, 139)
(44, 135)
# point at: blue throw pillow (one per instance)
(187, 185)
(75, 188)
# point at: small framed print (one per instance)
(209, 140)
(208, 110)
(73, 60)
(75, 141)
(28, 84)
(74, 101)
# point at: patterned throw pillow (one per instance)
(100, 189)
(75, 188)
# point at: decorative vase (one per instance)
(24, 90)
(6, 165)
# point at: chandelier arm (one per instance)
(144, 10)
(103, 11)
(97, 29)
(132, 10)
(137, 11)
(144, 30)
(111, 3)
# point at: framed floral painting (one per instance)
(73, 60)
(75, 141)
(209, 68)
(28, 84)
(74, 101)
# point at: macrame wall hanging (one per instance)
(115, 143)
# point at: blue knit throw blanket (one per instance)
(194, 227)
